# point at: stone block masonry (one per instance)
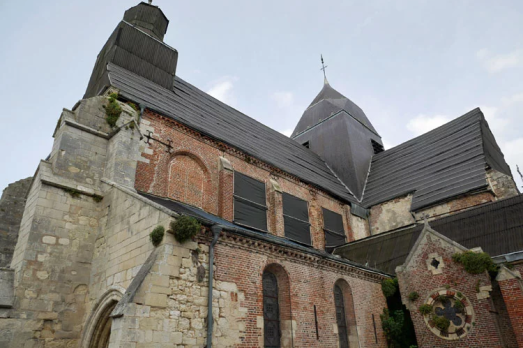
(12, 204)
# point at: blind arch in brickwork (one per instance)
(189, 179)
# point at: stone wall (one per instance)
(12, 204)
(396, 213)
(501, 184)
(391, 215)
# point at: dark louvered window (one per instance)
(250, 207)
(340, 317)
(296, 219)
(333, 228)
(271, 311)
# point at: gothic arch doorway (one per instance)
(98, 329)
(102, 330)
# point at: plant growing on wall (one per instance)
(393, 327)
(475, 263)
(389, 286)
(156, 235)
(112, 110)
(441, 323)
(413, 296)
(185, 228)
(425, 309)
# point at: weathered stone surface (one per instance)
(12, 206)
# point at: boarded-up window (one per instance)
(296, 219)
(250, 207)
(333, 227)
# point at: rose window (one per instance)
(449, 315)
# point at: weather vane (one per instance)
(323, 67)
(150, 2)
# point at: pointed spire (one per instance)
(323, 67)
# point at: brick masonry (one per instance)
(193, 173)
(511, 286)
(416, 275)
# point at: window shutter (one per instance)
(296, 219)
(333, 228)
(250, 207)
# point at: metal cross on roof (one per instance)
(323, 67)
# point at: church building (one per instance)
(163, 217)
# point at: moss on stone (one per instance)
(475, 263)
(185, 228)
(156, 235)
(113, 110)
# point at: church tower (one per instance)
(341, 134)
(137, 46)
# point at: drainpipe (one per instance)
(216, 230)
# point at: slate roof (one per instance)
(327, 102)
(496, 227)
(198, 110)
(443, 163)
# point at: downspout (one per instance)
(216, 230)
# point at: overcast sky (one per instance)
(410, 65)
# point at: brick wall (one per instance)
(193, 172)
(310, 283)
(416, 275)
(511, 286)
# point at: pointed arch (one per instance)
(345, 315)
(98, 328)
(188, 179)
(277, 314)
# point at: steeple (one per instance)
(148, 18)
(338, 131)
(137, 45)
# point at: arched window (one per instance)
(341, 320)
(271, 311)
(345, 316)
